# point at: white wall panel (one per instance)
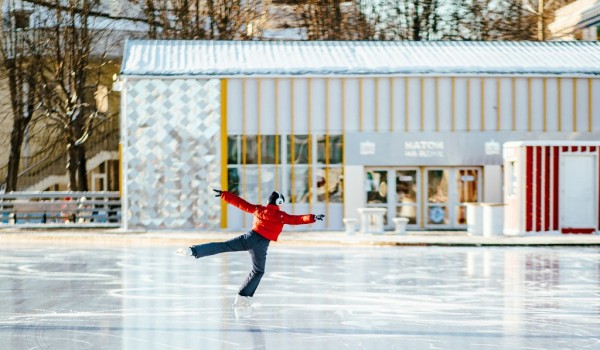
(460, 104)
(490, 100)
(300, 109)
(351, 104)
(414, 104)
(475, 116)
(317, 105)
(267, 107)
(399, 104)
(582, 105)
(234, 107)
(368, 104)
(595, 104)
(506, 104)
(335, 106)
(551, 104)
(250, 106)
(445, 104)
(522, 110)
(429, 101)
(383, 101)
(567, 104)
(537, 104)
(284, 105)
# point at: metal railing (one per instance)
(98, 209)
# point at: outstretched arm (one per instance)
(236, 201)
(301, 219)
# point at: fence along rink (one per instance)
(99, 209)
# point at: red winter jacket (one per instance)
(268, 220)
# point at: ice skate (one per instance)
(184, 251)
(242, 301)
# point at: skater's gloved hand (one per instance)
(218, 193)
(319, 217)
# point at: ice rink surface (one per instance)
(310, 298)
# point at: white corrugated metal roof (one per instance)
(264, 58)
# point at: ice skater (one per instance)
(266, 226)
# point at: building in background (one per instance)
(415, 128)
(579, 20)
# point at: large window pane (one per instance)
(233, 150)
(251, 149)
(268, 149)
(330, 180)
(333, 144)
(437, 186)
(467, 185)
(376, 186)
(268, 182)
(233, 181)
(299, 191)
(300, 149)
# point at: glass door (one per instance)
(437, 211)
(376, 188)
(467, 189)
(407, 199)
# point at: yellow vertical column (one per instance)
(482, 104)
(453, 103)
(391, 104)
(258, 140)
(529, 106)
(544, 103)
(590, 104)
(514, 103)
(277, 138)
(326, 152)
(559, 102)
(292, 148)
(498, 103)
(244, 150)
(468, 104)
(309, 140)
(224, 172)
(574, 104)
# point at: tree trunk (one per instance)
(72, 166)
(16, 142)
(82, 183)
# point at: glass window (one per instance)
(333, 144)
(269, 149)
(233, 150)
(467, 185)
(437, 186)
(299, 191)
(300, 150)
(330, 185)
(233, 181)
(376, 186)
(251, 149)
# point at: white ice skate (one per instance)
(184, 251)
(242, 301)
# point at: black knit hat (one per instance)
(276, 198)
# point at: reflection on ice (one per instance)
(325, 298)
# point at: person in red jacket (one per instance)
(266, 226)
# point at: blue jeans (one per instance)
(254, 243)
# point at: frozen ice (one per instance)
(74, 297)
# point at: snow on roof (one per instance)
(322, 58)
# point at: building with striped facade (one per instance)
(415, 128)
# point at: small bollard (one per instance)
(350, 224)
(400, 225)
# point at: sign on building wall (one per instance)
(439, 148)
(171, 153)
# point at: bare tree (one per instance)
(70, 77)
(20, 63)
(207, 19)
